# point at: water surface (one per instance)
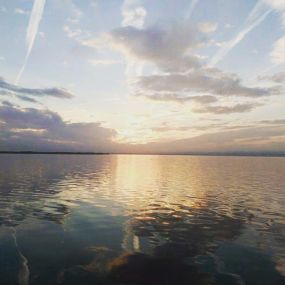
(126, 219)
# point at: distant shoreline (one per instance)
(253, 154)
(54, 152)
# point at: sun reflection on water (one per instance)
(178, 207)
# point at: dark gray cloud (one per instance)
(7, 88)
(219, 110)
(34, 129)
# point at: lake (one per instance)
(141, 219)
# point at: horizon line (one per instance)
(208, 153)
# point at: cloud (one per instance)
(44, 130)
(133, 14)
(34, 129)
(42, 35)
(72, 33)
(3, 9)
(255, 17)
(77, 34)
(219, 110)
(7, 103)
(181, 75)
(248, 139)
(279, 6)
(21, 11)
(273, 122)
(34, 22)
(76, 14)
(207, 27)
(211, 81)
(94, 3)
(103, 62)
(277, 77)
(27, 99)
(278, 54)
(170, 97)
(8, 89)
(191, 9)
(21, 97)
(166, 128)
(168, 46)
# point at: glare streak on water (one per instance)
(209, 205)
(24, 272)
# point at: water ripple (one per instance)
(149, 201)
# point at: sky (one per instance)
(142, 76)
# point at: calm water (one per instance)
(141, 220)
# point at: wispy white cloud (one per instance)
(75, 14)
(257, 15)
(207, 27)
(279, 6)
(94, 3)
(3, 9)
(219, 110)
(177, 98)
(42, 35)
(103, 62)
(278, 52)
(191, 9)
(75, 33)
(133, 14)
(21, 11)
(278, 77)
(33, 26)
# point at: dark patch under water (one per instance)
(145, 220)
